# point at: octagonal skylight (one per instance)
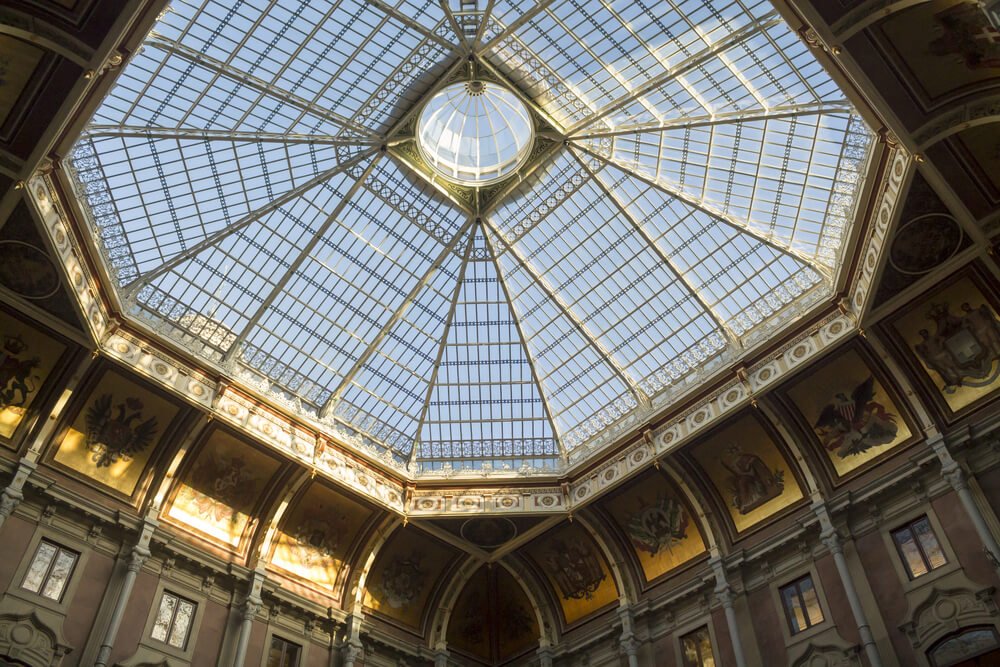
(703, 175)
(474, 132)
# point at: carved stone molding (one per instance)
(943, 611)
(28, 638)
(820, 655)
(981, 111)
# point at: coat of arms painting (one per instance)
(575, 567)
(850, 412)
(27, 358)
(218, 492)
(401, 581)
(114, 432)
(955, 336)
(657, 523)
(316, 535)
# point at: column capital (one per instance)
(10, 498)
(831, 540)
(955, 476)
(352, 651)
(629, 646)
(249, 608)
(137, 557)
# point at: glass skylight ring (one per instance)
(475, 133)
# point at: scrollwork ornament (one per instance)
(137, 558)
(629, 646)
(9, 499)
(250, 608)
(955, 476)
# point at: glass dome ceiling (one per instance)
(243, 182)
(474, 133)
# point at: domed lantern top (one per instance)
(475, 133)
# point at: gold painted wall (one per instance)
(405, 572)
(317, 534)
(576, 570)
(218, 492)
(851, 414)
(659, 526)
(955, 336)
(27, 358)
(115, 432)
(749, 472)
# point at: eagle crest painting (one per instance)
(850, 425)
(117, 432)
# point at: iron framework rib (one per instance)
(236, 136)
(680, 69)
(517, 23)
(178, 259)
(730, 335)
(279, 286)
(722, 217)
(524, 344)
(409, 22)
(391, 322)
(442, 346)
(577, 323)
(729, 118)
(220, 67)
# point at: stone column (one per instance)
(959, 481)
(441, 658)
(138, 556)
(630, 649)
(628, 644)
(248, 611)
(544, 654)
(13, 493)
(829, 537)
(724, 594)
(353, 651)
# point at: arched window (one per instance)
(966, 648)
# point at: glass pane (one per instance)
(910, 552)
(182, 624)
(39, 566)
(283, 653)
(277, 653)
(793, 608)
(166, 612)
(291, 655)
(813, 611)
(707, 657)
(928, 540)
(59, 575)
(689, 646)
(697, 648)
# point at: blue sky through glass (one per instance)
(235, 183)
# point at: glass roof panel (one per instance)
(485, 404)
(740, 277)
(246, 182)
(611, 281)
(781, 174)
